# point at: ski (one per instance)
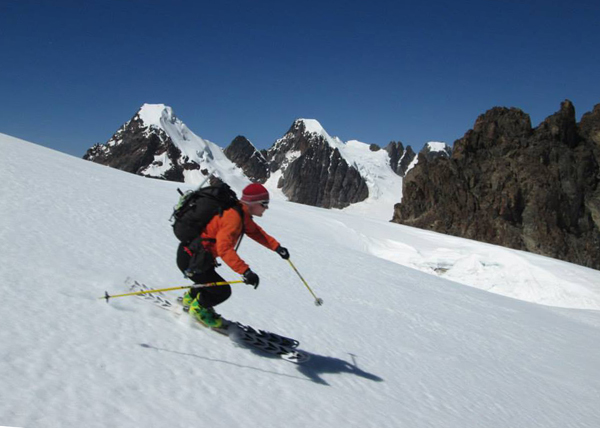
(257, 335)
(244, 335)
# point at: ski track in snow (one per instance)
(395, 344)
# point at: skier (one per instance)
(219, 239)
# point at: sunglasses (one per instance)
(264, 204)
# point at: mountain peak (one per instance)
(155, 143)
(156, 115)
(312, 128)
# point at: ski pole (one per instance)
(318, 301)
(185, 287)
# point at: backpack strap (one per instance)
(240, 211)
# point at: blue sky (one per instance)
(72, 72)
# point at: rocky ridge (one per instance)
(307, 164)
(506, 183)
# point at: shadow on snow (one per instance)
(312, 369)
(319, 365)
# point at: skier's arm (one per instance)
(255, 232)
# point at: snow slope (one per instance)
(385, 186)
(392, 346)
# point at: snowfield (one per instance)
(400, 341)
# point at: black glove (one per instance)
(283, 252)
(251, 278)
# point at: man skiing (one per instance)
(219, 239)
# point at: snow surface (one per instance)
(436, 146)
(385, 186)
(392, 346)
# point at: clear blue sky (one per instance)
(72, 72)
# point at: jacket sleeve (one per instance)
(227, 238)
(255, 232)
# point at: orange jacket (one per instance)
(227, 229)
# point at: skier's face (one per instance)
(258, 209)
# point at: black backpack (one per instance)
(196, 208)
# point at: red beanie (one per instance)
(254, 193)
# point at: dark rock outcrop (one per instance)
(400, 158)
(322, 178)
(250, 160)
(508, 184)
(433, 151)
(313, 171)
(129, 149)
(288, 148)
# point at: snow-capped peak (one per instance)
(160, 116)
(181, 155)
(314, 127)
(155, 114)
(194, 149)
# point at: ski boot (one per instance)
(206, 316)
(186, 301)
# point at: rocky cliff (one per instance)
(322, 178)
(133, 149)
(313, 171)
(509, 184)
(400, 158)
(247, 157)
